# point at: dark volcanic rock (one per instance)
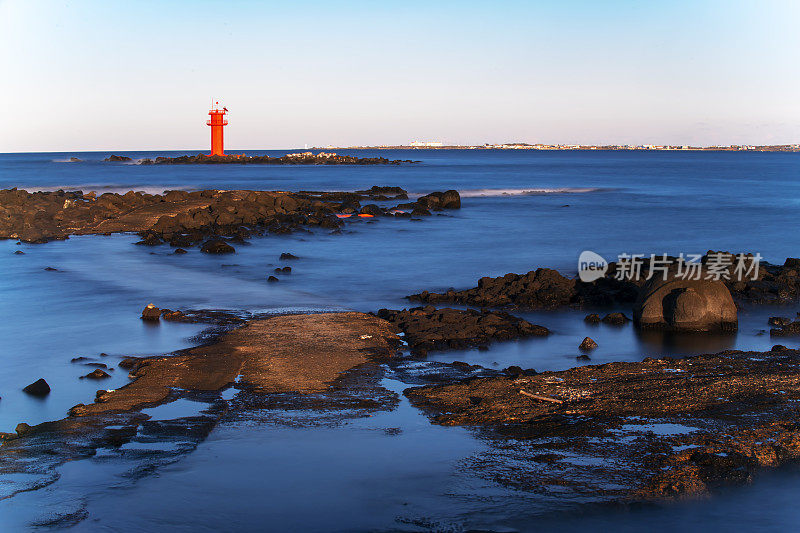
(616, 319)
(181, 218)
(734, 414)
(217, 246)
(786, 330)
(588, 344)
(542, 288)
(97, 374)
(117, 158)
(151, 312)
(436, 201)
(273, 279)
(287, 256)
(428, 328)
(372, 209)
(545, 288)
(38, 388)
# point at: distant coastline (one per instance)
(612, 147)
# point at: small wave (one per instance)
(471, 193)
(66, 160)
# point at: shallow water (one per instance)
(521, 210)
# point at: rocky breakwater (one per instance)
(655, 429)
(294, 353)
(328, 364)
(301, 158)
(181, 218)
(428, 328)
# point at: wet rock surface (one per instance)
(545, 288)
(428, 328)
(685, 305)
(656, 429)
(294, 353)
(180, 218)
(298, 370)
(39, 387)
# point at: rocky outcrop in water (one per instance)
(655, 429)
(428, 328)
(37, 388)
(545, 288)
(181, 218)
(117, 158)
(685, 305)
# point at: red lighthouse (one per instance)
(217, 122)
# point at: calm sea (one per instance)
(521, 210)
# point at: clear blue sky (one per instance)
(117, 75)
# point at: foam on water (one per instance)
(472, 193)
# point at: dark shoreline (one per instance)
(188, 218)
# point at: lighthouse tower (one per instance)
(217, 122)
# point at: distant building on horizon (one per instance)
(426, 144)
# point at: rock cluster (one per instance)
(179, 217)
(786, 329)
(117, 158)
(435, 201)
(545, 288)
(428, 328)
(542, 288)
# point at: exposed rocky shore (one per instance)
(185, 218)
(428, 328)
(655, 429)
(548, 289)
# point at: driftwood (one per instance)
(540, 398)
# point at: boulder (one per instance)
(97, 374)
(616, 319)
(287, 255)
(117, 158)
(371, 209)
(588, 344)
(38, 388)
(685, 305)
(151, 312)
(217, 246)
(272, 279)
(436, 201)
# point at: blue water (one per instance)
(521, 210)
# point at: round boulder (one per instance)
(685, 305)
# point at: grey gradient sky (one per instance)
(122, 75)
